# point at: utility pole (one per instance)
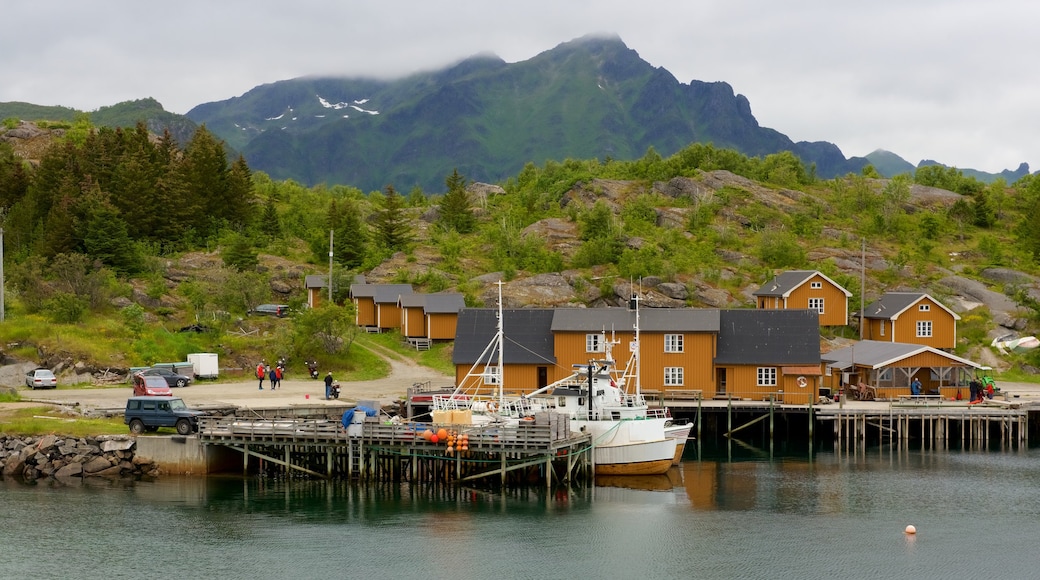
(862, 282)
(3, 311)
(330, 265)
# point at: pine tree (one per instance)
(455, 213)
(270, 225)
(350, 241)
(391, 224)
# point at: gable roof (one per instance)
(893, 304)
(382, 293)
(411, 300)
(878, 354)
(314, 281)
(624, 320)
(784, 283)
(447, 303)
(528, 336)
(774, 337)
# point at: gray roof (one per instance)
(624, 320)
(382, 293)
(447, 303)
(527, 333)
(772, 337)
(314, 281)
(877, 354)
(412, 300)
(785, 283)
(892, 304)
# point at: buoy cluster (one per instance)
(451, 438)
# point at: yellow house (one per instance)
(764, 354)
(806, 289)
(676, 347)
(526, 354)
(912, 318)
(889, 367)
(375, 305)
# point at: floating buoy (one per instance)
(442, 433)
(427, 434)
(911, 529)
(434, 438)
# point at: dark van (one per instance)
(149, 413)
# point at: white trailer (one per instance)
(204, 364)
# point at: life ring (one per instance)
(802, 382)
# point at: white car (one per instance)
(41, 379)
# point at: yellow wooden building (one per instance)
(806, 289)
(887, 368)
(910, 317)
(375, 305)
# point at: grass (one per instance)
(46, 420)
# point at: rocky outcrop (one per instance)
(32, 458)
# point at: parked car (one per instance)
(172, 379)
(149, 413)
(151, 385)
(279, 310)
(41, 379)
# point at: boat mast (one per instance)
(634, 347)
(501, 344)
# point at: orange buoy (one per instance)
(434, 438)
(442, 433)
(911, 529)
(427, 434)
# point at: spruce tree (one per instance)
(391, 223)
(455, 213)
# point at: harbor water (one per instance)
(729, 513)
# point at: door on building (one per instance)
(543, 376)
(720, 381)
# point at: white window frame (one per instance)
(816, 285)
(673, 343)
(594, 342)
(924, 307)
(816, 304)
(492, 375)
(924, 329)
(766, 376)
(673, 376)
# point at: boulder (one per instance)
(70, 470)
(121, 444)
(96, 464)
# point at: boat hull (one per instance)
(680, 433)
(629, 447)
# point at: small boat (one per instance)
(1011, 344)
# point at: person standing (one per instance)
(915, 387)
(271, 379)
(328, 386)
(277, 377)
(260, 372)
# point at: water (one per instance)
(842, 515)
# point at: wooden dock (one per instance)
(385, 451)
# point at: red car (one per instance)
(151, 386)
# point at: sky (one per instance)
(952, 81)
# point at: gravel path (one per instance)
(293, 392)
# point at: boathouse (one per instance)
(889, 367)
(769, 355)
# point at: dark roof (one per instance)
(624, 320)
(878, 354)
(785, 283)
(447, 303)
(412, 300)
(528, 335)
(314, 281)
(382, 293)
(772, 337)
(892, 304)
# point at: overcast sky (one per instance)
(953, 80)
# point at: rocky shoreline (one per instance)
(59, 457)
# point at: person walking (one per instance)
(328, 386)
(277, 377)
(260, 373)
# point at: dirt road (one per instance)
(293, 392)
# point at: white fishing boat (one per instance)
(1012, 344)
(626, 438)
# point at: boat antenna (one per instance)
(501, 345)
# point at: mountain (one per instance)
(589, 98)
(125, 114)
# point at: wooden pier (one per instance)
(940, 422)
(385, 451)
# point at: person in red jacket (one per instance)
(260, 373)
